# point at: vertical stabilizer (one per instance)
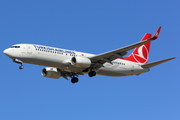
(141, 53)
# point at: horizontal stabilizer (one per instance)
(149, 65)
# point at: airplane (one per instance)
(70, 64)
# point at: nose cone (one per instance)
(6, 52)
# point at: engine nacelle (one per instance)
(81, 62)
(51, 72)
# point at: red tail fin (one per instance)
(141, 53)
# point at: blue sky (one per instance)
(93, 26)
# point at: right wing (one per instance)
(100, 59)
(65, 74)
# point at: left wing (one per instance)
(100, 59)
(149, 65)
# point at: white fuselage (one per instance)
(61, 58)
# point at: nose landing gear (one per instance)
(19, 62)
(21, 66)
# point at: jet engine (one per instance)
(81, 62)
(51, 72)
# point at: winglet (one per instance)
(156, 34)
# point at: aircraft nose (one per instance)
(6, 52)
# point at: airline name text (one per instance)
(54, 49)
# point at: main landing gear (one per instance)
(74, 80)
(92, 73)
(19, 62)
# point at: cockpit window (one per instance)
(15, 46)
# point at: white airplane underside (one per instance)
(67, 63)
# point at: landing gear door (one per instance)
(29, 49)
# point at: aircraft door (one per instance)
(29, 49)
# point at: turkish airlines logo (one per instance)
(141, 54)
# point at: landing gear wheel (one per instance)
(74, 80)
(19, 62)
(92, 73)
(21, 67)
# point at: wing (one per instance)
(149, 65)
(100, 59)
(65, 74)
